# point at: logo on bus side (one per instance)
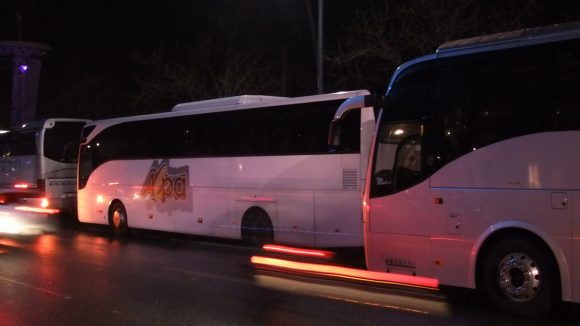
(165, 182)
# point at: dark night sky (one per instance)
(142, 21)
(91, 37)
(104, 28)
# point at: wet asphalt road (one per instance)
(80, 275)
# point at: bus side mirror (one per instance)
(353, 103)
(334, 134)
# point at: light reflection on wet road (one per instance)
(82, 276)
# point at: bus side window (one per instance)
(486, 98)
(564, 113)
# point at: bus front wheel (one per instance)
(520, 277)
(118, 219)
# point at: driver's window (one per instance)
(397, 158)
(70, 152)
(408, 163)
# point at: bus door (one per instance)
(400, 227)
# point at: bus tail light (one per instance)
(44, 203)
(38, 186)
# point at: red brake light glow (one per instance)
(298, 251)
(347, 273)
(44, 203)
(37, 209)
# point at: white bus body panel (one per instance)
(420, 230)
(315, 194)
(576, 246)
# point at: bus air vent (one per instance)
(349, 179)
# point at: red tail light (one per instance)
(44, 203)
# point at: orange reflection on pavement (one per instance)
(299, 251)
(347, 273)
(37, 209)
(10, 243)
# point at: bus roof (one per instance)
(226, 101)
(255, 101)
(494, 42)
(226, 104)
(47, 123)
(229, 104)
(522, 37)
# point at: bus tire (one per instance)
(118, 219)
(257, 228)
(519, 276)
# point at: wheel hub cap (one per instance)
(519, 277)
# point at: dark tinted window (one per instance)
(464, 103)
(281, 130)
(564, 111)
(18, 143)
(62, 140)
(412, 96)
(486, 98)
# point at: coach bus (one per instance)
(255, 168)
(474, 175)
(38, 165)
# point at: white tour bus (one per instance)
(249, 167)
(474, 176)
(38, 165)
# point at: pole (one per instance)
(319, 56)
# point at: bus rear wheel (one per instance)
(118, 219)
(519, 276)
(257, 229)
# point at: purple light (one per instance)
(22, 68)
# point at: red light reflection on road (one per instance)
(10, 243)
(347, 273)
(37, 209)
(48, 270)
(299, 251)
